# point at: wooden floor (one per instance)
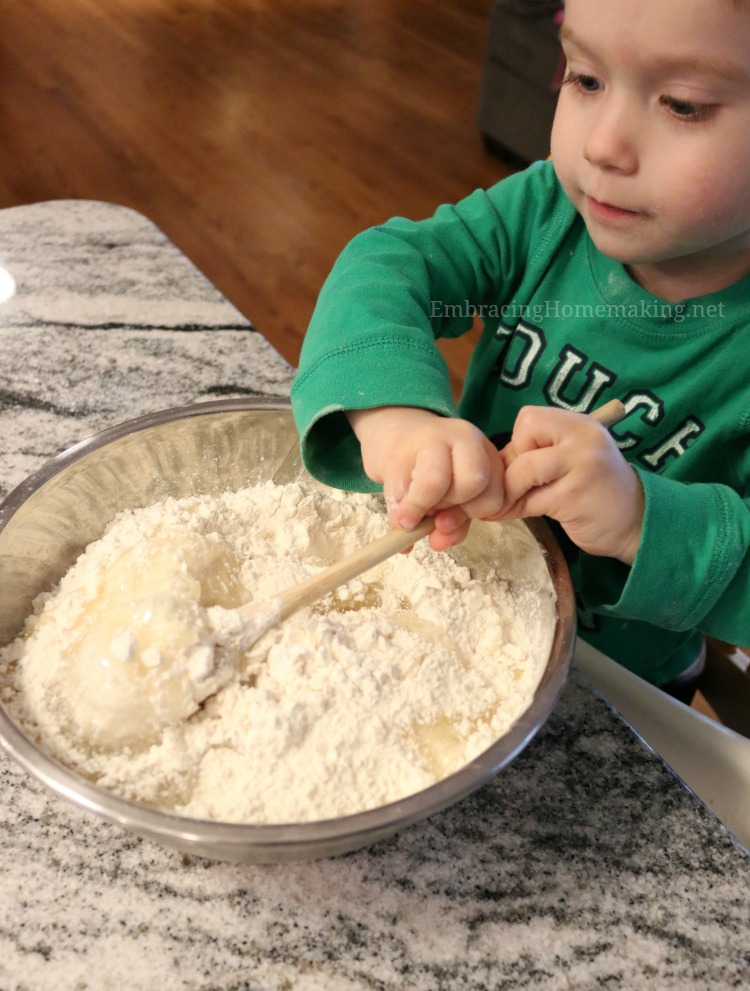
(259, 135)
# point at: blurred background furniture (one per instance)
(520, 77)
(724, 687)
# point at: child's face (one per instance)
(651, 140)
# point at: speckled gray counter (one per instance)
(586, 864)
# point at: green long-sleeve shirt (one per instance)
(563, 326)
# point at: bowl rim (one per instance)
(186, 832)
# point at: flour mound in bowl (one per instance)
(383, 688)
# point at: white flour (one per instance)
(388, 685)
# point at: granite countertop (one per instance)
(585, 864)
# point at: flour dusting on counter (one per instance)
(384, 687)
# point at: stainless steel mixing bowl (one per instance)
(50, 518)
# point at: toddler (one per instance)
(619, 269)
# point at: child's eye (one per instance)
(687, 109)
(582, 82)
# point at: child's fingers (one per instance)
(430, 480)
(477, 470)
(489, 497)
(468, 476)
(539, 426)
(443, 537)
(428, 464)
(528, 480)
(451, 520)
(396, 481)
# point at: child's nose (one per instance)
(612, 137)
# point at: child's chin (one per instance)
(616, 246)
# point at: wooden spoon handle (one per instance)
(610, 413)
(355, 564)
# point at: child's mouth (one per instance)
(608, 212)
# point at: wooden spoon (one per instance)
(238, 629)
(609, 414)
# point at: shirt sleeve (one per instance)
(692, 570)
(393, 291)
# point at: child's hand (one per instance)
(430, 465)
(566, 466)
